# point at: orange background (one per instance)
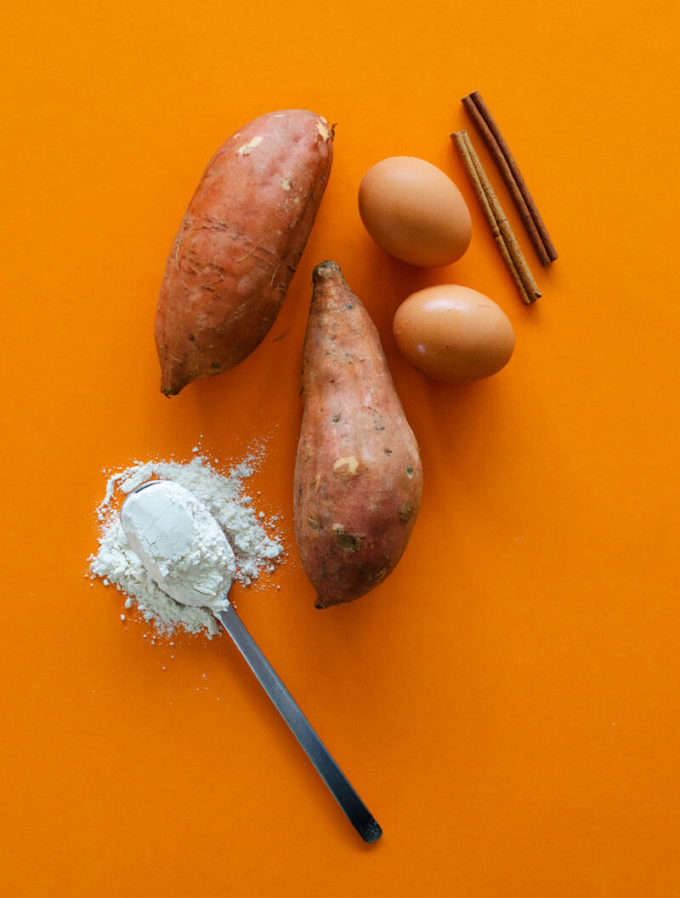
(508, 701)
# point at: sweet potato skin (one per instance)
(358, 474)
(239, 243)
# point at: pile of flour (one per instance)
(256, 549)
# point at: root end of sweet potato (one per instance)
(171, 384)
(330, 601)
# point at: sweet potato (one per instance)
(239, 244)
(358, 475)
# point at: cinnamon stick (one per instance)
(504, 225)
(463, 146)
(506, 174)
(531, 218)
(497, 220)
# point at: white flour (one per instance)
(255, 550)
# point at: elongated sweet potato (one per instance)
(239, 244)
(358, 476)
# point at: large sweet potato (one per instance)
(358, 476)
(239, 244)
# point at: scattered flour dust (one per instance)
(256, 549)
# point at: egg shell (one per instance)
(414, 211)
(453, 333)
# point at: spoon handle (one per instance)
(357, 812)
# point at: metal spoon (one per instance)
(357, 812)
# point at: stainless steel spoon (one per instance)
(357, 812)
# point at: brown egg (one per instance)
(453, 333)
(414, 212)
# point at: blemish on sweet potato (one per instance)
(347, 465)
(348, 542)
(247, 147)
(406, 512)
